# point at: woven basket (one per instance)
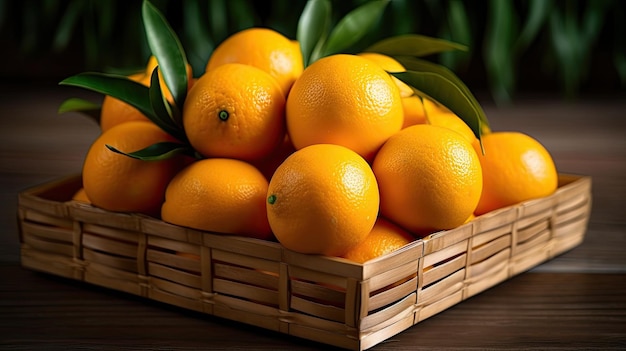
(329, 300)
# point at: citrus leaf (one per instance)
(440, 89)
(85, 107)
(157, 152)
(414, 45)
(162, 109)
(353, 26)
(168, 51)
(117, 86)
(313, 26)
(419, 65)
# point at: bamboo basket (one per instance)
(329, 300)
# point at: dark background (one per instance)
(571, 48)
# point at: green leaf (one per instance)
(162, 110)
(414, 45)
(117, 86)
(168, 50)
(419, 65)
(88, 108)
(440, 89)
(157, 152)
(313, 26)
(353, 26)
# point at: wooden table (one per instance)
(576, 301)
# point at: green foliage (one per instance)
(157, 152)
(565, 36)
(440, 84)
(151, 101)
(168, 50)
(85, 107)
(313, 27)
(414, 45)
(427, 79)
(353, 26)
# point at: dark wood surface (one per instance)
(576, 301)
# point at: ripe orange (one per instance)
(451, 121)
(117, 182)
(419, 110)
(81, 196)
(414, 111)
(429, 177)
(390, 65)
(516, 168)
(384, 238)
(115, 111)
(322, 200)
(265, 49)
(345, 100)
(434, 107)
(219, 195)
(235, 111)
(268, 165)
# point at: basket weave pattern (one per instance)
(330, 300)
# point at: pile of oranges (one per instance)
(338, 158)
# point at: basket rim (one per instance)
(568, 183)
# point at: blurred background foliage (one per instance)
(567, 46)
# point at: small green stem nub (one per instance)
(271, 199)
(223, 115)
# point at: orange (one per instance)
(115, 111)
(268, 165)
(323, 199)
(390, 65)
(429, 177)
(345, 100)
(434, 107)
(414, 111)
(117, 182)
(235, 111)
(81, 196)
(265, 49)
(516, 168)
(219, 195)
(384, 238)
(418, 110)
(451, 121)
